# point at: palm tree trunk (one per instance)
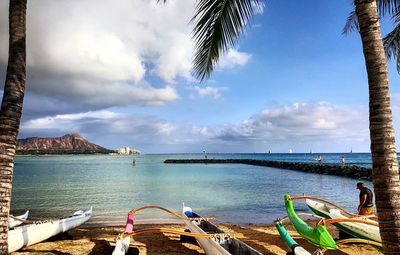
(11, 110)
(385, 171)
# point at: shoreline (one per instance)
(100, 240)
(350, 171)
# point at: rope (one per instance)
(330, 221)
(335, 205)
(178, 232)
(168, 211)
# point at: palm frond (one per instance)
(391, 43)
(163, 1)
(396, 17)
(351, 24)
(218, 25)
(388, 6)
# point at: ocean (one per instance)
(55, 186)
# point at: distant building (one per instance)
(128, 151)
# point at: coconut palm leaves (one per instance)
(218, 24)
(391, 41)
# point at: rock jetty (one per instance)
(350, 171)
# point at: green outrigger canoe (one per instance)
(319, 236)
(293, 245)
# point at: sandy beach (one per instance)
(99, 241)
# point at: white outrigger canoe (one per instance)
(13, 220)
(218, 245)
(37, 232)
(356, 229)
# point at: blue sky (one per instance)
(120, 76)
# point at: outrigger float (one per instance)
(213, 240)
(38, 231)
(319, 236)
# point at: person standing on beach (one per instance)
(366, 207)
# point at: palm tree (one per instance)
(385, 170)
(11, 109)
(219, 23)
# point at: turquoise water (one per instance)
(53, 186)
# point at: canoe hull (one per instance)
(122, 246)
(35, 233)
(318, 236)
(358, 230)
(219, 245)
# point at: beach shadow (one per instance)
(60, 237)
(158, 243)
(46, 252)
(103, 247)
(271, 243)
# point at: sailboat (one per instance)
(290, 151)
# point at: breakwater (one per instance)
(350, 171)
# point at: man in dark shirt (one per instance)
(366, 206)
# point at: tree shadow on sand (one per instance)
(158, 243)
(270, 243)
(55, 252)
(103, 247)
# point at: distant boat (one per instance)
(133, 162)
(311, 152)
(290, 151)
(351, 150)
(269, 152)
(37, 232)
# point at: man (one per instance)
(366, 207)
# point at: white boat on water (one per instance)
(218, 245)
(355, 229)
(39, 231)
(13, 222)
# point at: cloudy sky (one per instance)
(119, 73)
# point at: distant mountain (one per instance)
(67, 144)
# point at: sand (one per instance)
(99, 240)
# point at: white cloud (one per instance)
(98, 54)
(208, 91)
(102, 54)
(294, 126)
(233, 58)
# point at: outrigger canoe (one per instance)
(290, 242)
(355, 229)
(318, 236)
(13, 220)
(218, 245)
(39, 231)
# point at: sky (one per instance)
(119, 74)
